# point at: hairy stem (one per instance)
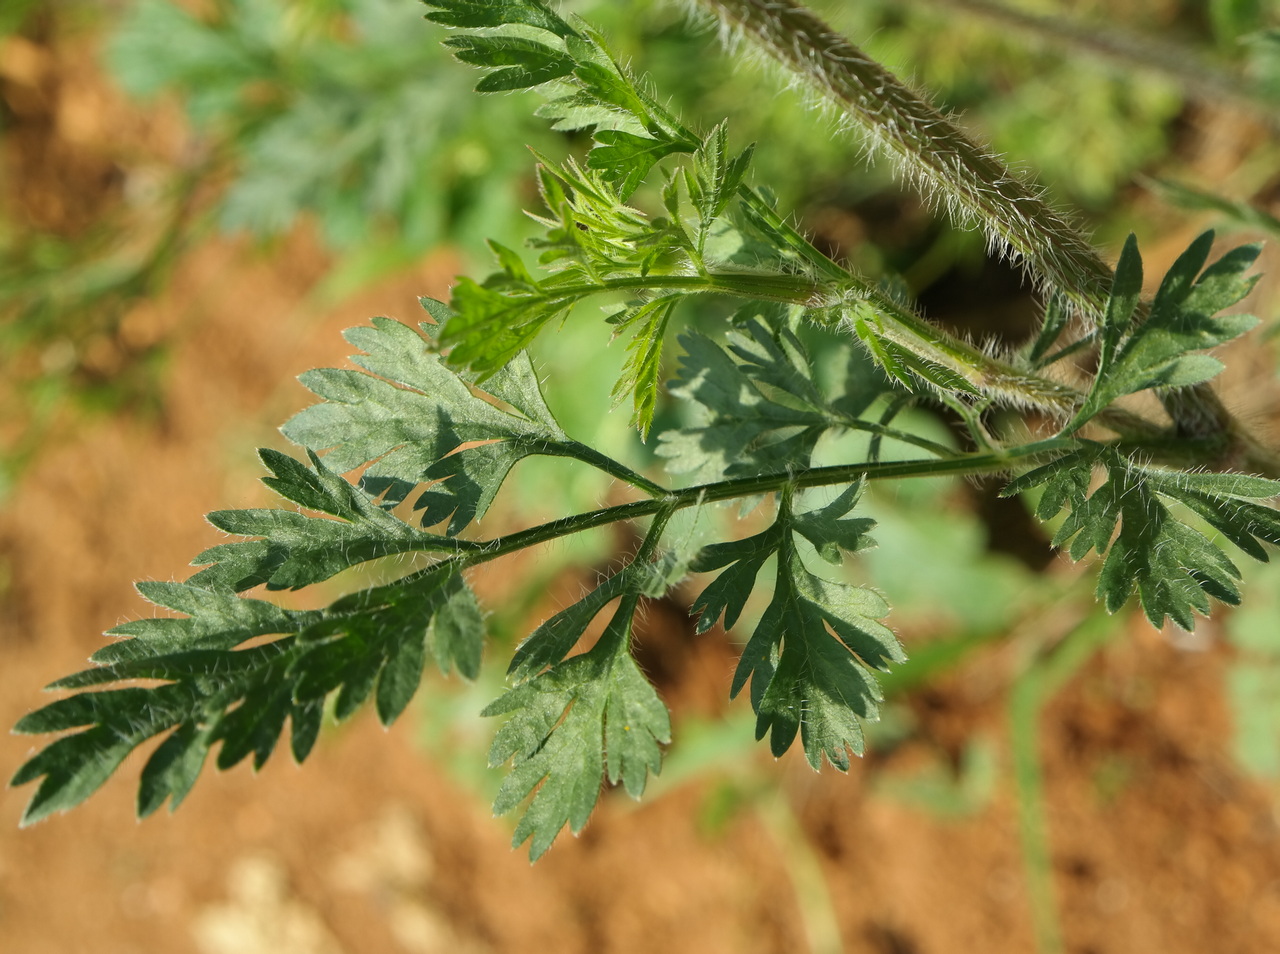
(926, 146)
(474, 552)
(468, 553)
(848, 292)
(615, 469)
(933, 152)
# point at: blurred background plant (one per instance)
(348, 120)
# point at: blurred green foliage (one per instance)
(343, 109)
(1253, 678)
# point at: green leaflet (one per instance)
(496, 13)
(593, 716)
(624, 159)
(525, 63)
(759, 409)
(594, 243)
(640, 372)
(1174, 567)
(632, 131)
(590, 717)
(1159, 351)
(375, 643)
(297, 550)
(407, 421)
(714, 179)
(803, 678)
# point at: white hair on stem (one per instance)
(953, 172)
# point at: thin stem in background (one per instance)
(1195, 75)
(1030, 694)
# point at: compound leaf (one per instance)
(759, 408)
(375, 642)
(587, 718)
(809, 659)
(409, 418)
(1175, 569)
(297, 550)
(1159, 351)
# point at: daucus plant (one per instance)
(658, 221)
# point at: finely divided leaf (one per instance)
(715, 177)
(1175, 569)
(524, 63)
(407, 417)
(374, 643)
(624, 159)
(759, 408)
(741, 561)
(809, 658)
(830, 529)
(296, 550)
(552, 641)
(1160, 351)
(804, 678)
(591, 717)
(480, 14)
(648, 322)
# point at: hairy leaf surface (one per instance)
(759, 409)
(810, 656)
(410, 418)
(1172, 565)
(1162, 349)
(584, 719)
(372, 643)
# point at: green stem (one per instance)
(933, 152)
(1030, 694)
(927, 147)
(482, 551)
(475, 552)
(847, 292)
(880, 430)
(770, 286)
(602, 462)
